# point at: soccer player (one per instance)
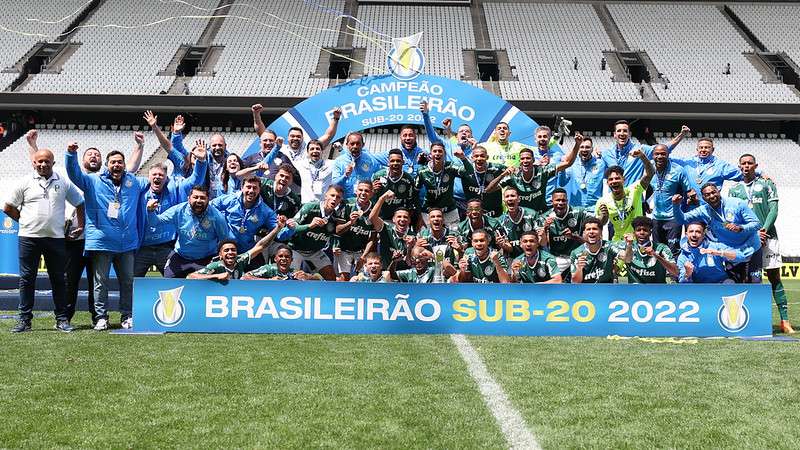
(372, 271)
(621, 154)
(355, 235)
(669, 180)
(475, 186)
(703, 261)
(355, 164)
(500, 150)
(731, 223)
(704, 167)
(200, 228)
(594, 261)
(313, 227)
(762, 197)
(584, 181)
(396, 237)
(563, 227)
(231, 265)
(476, 220)
(437, 180)
(282, 269)
(436, 238)
(480, 264)
(534, 265)
(513, 223)
(422, 271)
(392, 178)
(624, 202)
(649, 262)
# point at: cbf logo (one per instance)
(169, 309)
(405, 60)
(733, 315)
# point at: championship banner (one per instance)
(9, 246)
(316, 307)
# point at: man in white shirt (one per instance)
(37, 202)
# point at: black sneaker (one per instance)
(64, 326)
(22, 325)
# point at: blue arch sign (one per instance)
(383, 100)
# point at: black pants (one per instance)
(75, 263)
(30, 252)
(179, 267)
(668, 232)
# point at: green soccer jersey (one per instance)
(439, 245)
(540, 268)
(391, 240)
(475, 187)
(759, 194)
(269, 271)
(439, 185)
(355, 239)
(483, 270)
(218, 266)
(412, 276)
(532, 190)
(363, 277)
(284, 205)
(405, 194)
(622, 212)
(561, 244)
(512, 228)
(465, 230)
(647, 269)
(307, 239)
(599, 266)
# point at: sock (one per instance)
(780, 300)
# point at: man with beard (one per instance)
(594, 261)
(704, 167)
(475, 186)
(703, 261)
(762, 197)
(394, 179)
(476, 220)
(311, 231)
(438, 239)
(372, 271)
(622, 153)
(624, 202)
(531, 180)
(412, 153)
(232, 265)
(282, 269)
(200, 228)
(246, 215)
(584, 181)
(513, 223)
(37, 203)
(395, 238)
(534, 265)
(480, 264)
(731, 223)
(292, 152)
(669, 180)
(158, 241)
(113, 227)
(563, 226)
(649, 262)
(437, 179)
(499, 149)
(316, 173)
(216, 162)
(354, 164)
(355, 235)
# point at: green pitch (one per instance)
(96, 390)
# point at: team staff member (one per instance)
(38, 202)
(624, 202)
(649, 262)
(200, 229)
(762, 197)
(563, 227)
(704, 167)
(413, 158)
(584, 181)
(622, 153)
(703, 261)
(217, 158)
(594, 261)
(437, 180)
(669, 180)
(316, 173)
(354, 165)
(534, 265)
(392, 178)
(113, 228)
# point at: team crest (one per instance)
(601, 257)
(649, 261)
(8, 223)
(527, 227)
(540, 271)
(536, 184)
(406, 61)
(445, 178)
(729, 216)
(733, 316)
(758, 188)
(206, 224)
(169, 310)
(489, 270)
(572, 222)
(401, 188)
(128, 183)
(254, 218)
(365, 167)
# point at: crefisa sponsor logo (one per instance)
(733, 316)
(169, 309)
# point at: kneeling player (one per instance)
(372, 271)
(648, 263)
(703, 261)
(534, 265)
(423, 270)
(593, 262)
(480, 264)
(281, 269)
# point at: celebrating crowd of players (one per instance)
(459, 211)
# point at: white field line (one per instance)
(511, 423)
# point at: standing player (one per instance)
(475, 186)
(438, 239)
(500, 149)
(480, 264)
(594, 261)
(476, 220)
(649, 262)
(395, 238)
(372, 271)
(437, 179)
(534, 265)
(422, 270)
(762, 197)
(669, 180)
(282, 269)
(513, 223)
(563, 226)
(624, 202)
(355, 234)
(392, 178)
(704, 167)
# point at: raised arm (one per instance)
(430, 131)
(495, 183)
(31, 136)
(570, 157)
(266, 240)
(648, 167)
(375, 214)
(678, 137)
(74, 171)
(326, 137)
(258, 123)
(135, 160)
(152, 121)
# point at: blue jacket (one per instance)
(176, 191)
(665, 185)
(365, 166)
(243, 224)
(707, 268)
(711, 169)
(583, 182)
(119, 235)
(634, 167)
(215, 170)
(732, 210)
(198, 236)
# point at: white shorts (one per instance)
(346, 262)
(315, 260)
(451, 219)
(771, 255)
(563, 263)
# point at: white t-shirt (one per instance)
(315, 179)
(42, 203)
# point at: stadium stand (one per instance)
(702, 42)
(542, 39)
(775, 25)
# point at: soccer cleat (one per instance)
(102, 324)
(22, 325)
(786, 327)
(64, 326)
(127, 323)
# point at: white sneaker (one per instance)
(127, 323)
(102, 324)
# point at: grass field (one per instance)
(97, 390)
